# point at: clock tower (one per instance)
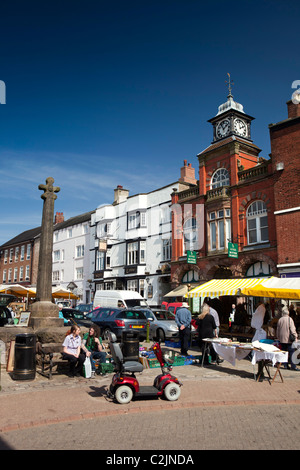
(231, 120)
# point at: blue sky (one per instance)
(102, 93)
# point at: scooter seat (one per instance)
(132, 366)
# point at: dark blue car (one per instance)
(118, 321)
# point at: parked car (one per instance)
(73, 316)
(172, 306)
(5, 314)
(84, 308)
(118, 321)
(162, 324)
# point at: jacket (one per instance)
(183, 317)
(284, 325)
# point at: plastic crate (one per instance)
(179, 361)
(105, 368)
(153, 363)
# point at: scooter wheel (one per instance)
(123, 394)
(172, 391)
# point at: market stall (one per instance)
(274, 287)
(220, 287)
(265, 352)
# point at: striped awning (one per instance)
(219, 287)
(278, 288)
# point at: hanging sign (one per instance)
(191, 257)
(233, 250)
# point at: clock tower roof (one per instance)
(230, 105)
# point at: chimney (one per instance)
(120, 194)
(293, 109)
(187, 173)
(59, 217)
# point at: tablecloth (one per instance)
(274, 357)
(231, 353)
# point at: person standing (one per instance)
(207, 328)
(258, 321)
(71, 351)
(183, 320)
(213, 312)
(285, 326)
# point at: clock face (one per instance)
(240, 127)
(223, 128)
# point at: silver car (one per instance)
(162, 324)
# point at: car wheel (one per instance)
(172, 391)
(160, 335)
(123, 394)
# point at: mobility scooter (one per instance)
(125, 386)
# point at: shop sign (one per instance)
(233, 250)
(192, 257)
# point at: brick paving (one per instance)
(26, 404)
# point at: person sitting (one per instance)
(93, 347)
(71, 351)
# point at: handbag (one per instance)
(292, 336)
(87, 368)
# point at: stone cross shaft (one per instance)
(44, 279)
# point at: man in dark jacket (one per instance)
(183, 320)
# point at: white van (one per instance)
(118, 298)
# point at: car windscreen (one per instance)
(131, 315)
(135, 303)
(163, 315)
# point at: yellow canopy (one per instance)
(278, 288)
(58, 293)
(219, 287)
(17, 289)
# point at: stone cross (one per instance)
(44, 313)
(44, 278)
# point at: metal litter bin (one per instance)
(130, 348)
(24, 366)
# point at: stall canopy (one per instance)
(59, 292)
(278, 288)
(219, 287)
(17, 290)
(21, 291)
(178, 292)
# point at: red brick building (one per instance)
(233, 202)
(285, 153)
(19, 258)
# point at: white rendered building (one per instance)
(71, 255)
(131, 240)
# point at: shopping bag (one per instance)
(87, 368)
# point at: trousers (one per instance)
(184, 336)
(75, 363)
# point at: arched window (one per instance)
(257, 223)
(220, 178)
(190, 276)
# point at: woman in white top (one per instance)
(72, 352)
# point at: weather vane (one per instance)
(229, 83)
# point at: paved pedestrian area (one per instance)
(27, 404)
